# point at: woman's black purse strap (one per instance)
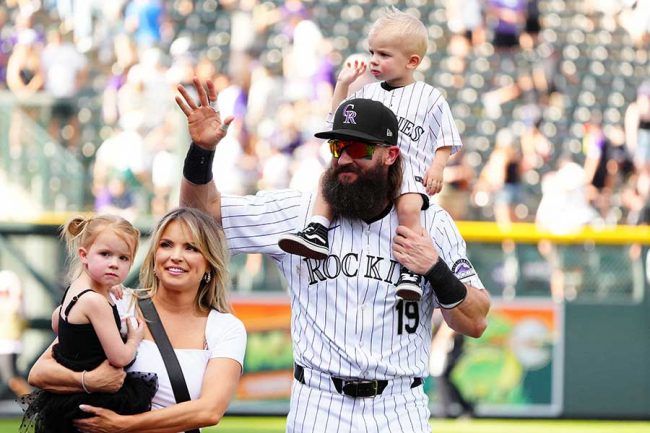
(167, 352)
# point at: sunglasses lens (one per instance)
(358, 150)
(336, 147)
(354, 149)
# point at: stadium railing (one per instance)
(51, 176)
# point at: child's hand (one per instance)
(433, 180)
(135, 331)
(351, 71)
(117, 291)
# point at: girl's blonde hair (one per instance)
(81, 232)
(407, 29)
(209, 239)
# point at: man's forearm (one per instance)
(469, 318)
(197, 187)
(204, 197)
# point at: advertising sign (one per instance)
(515, 368)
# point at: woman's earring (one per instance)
(207, 277)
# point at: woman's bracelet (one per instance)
(83, 383)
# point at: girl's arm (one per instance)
(99, 313)
(49, 375)
(219, 386)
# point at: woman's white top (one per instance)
(225, 336)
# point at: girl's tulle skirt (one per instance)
(53, 413)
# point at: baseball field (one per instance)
(277, 425)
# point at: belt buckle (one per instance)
(361, 388)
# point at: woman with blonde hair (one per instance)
(185, 278)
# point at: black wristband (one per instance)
(198, 165)
(449, 290)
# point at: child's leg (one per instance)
(322, 212)
(409, 206)
(312, 241)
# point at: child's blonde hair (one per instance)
(81, 232)
(409, 30)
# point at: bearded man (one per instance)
(360, 353)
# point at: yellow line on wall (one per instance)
(479, 231)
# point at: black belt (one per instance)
(354, 387)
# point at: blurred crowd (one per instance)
(550, 96)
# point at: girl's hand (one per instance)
(135, 332)
(351, 71)
(104, 421)
(117, 291)
(203, 120)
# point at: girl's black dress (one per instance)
(79, 349)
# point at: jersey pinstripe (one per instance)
(346, 320)
(425, 124)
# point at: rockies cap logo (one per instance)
(349, 114)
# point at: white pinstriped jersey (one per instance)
(346, 320)
(425, 124)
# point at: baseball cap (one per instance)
(363, 119)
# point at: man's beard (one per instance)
(363, 198)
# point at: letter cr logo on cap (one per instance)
(349, 114)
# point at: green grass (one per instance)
(276, 425)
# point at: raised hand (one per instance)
(203, 120)
(351, 71)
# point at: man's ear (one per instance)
(391, 155)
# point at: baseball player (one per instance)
(427, 133)
(360, 352)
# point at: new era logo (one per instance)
(389, 133)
